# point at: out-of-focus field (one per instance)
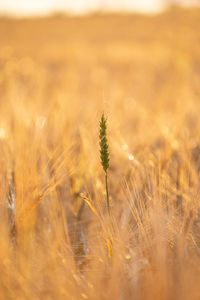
(57, 76)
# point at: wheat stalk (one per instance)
(104, 154)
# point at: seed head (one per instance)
(104, 144)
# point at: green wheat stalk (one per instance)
(104, 154)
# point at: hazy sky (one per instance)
(27, 7)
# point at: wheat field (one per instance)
(58, 76)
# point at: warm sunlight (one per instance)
(24, 7)
(99, 150)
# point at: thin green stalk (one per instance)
(107, 193)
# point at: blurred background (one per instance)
(37, 7)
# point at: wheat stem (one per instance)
(107, 193)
